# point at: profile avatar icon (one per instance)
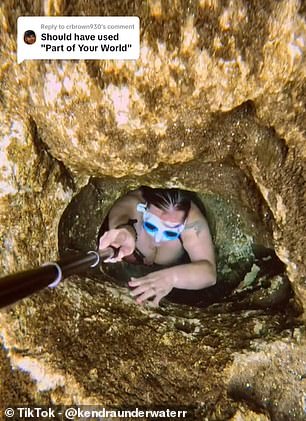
(29, 37)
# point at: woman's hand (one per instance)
(122, 238)
(156, 284)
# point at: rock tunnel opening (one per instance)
(230, 178)
(249, 273)
(242, 191)
(198, 61)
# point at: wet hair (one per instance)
(167, 199)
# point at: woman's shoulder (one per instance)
(195, 213)
(135, 196)
(196, 220)
(196, 228)
(127, 204)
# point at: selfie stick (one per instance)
(22, 284)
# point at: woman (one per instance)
(159, 226)
(29, 37)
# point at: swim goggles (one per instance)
(154, 226)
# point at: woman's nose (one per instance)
(158, 237)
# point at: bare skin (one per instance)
(196, 241)
(30, 39)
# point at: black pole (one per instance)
(22, 284)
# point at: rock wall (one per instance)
(219, 84)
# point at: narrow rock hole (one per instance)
(250, 275)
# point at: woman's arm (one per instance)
(197, 241)
(196, 275)
(123, 210)
(200, 273)
(121, 234)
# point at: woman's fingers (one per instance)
(113, 259)
(155, 302)
(125, 251)
(106, 240)
(149, 293)
(156, 284)
(144, 292)
(140, 289)
(117, 239)
(135, 282)
(145, 288)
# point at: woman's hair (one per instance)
(167, 199)
(29, 34)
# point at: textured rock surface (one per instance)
(219, 86)
(93, 345)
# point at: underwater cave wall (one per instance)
(219, 82)
(104, 118)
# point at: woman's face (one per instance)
(172, 216)
(30, 39)
(170, 221)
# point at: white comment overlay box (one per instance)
(78, 38)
